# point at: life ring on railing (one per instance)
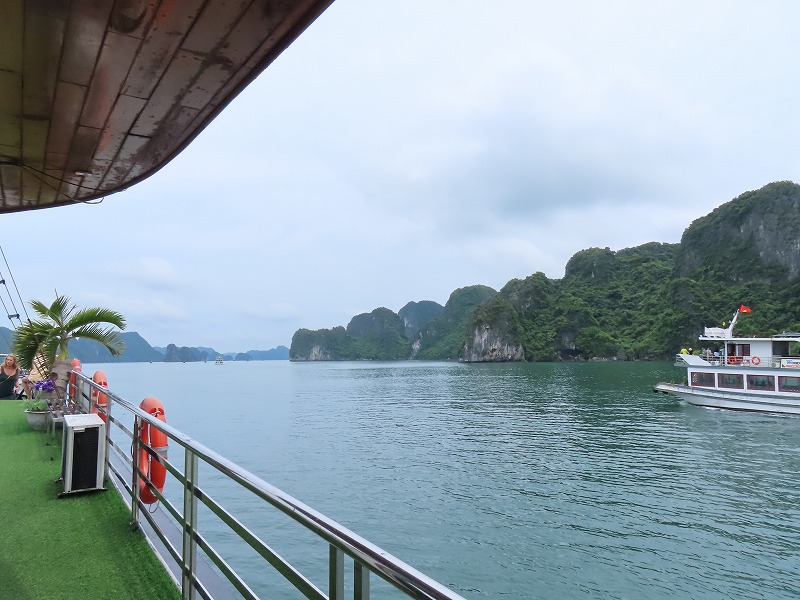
(73, 387)
(755, 360)
(157, 440)
(99, 399)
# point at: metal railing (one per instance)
(773, 362)
(193, 547)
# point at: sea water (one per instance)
(506, 481)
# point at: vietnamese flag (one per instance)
(744, 309)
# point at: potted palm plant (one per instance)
(49, 333)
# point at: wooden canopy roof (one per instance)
(96, 95)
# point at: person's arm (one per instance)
(26, 385)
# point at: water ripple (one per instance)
(528, 481)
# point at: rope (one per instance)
(39, 362)
(14, 281)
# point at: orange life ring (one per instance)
(157, 440)
(99, 399)
(755, 360)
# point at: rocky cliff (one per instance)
(636, 303)
(416, 315)
(759, 230)
(484, 345)
(647, 301)
(422, 329)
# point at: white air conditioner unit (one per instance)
(83, 453)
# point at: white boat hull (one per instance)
(732, 400)
(760, 374)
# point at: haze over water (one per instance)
(512, 481)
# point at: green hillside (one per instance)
(637, 303)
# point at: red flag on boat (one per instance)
(744, 309)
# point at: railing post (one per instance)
(108, 436)
(78, 392)
(137, 424)
(335, 574)
(189, 526)
(80, 398)
(360, 582)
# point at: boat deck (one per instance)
(78, 546)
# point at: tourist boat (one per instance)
(741, 373)
(219, 360)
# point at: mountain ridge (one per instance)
(137, 349)
(643, 302)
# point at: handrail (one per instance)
(367, 557)
(773, 362)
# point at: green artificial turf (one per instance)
(79, 546)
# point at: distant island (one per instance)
(138, 350)
(633, 304)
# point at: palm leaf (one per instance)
(60, 322)
(88, 316)
(106, 336)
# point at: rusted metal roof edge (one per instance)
(292, 34)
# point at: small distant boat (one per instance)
(219, 360)
(746, 373)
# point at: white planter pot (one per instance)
(37, 420)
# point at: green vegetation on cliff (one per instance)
(321, 344)
(379, 335)
(615, 303)
(426, 331)
(443, 337)
(636, 303)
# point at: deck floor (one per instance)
(79, 546)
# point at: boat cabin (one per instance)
(782, 350)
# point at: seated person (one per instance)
(9, 379)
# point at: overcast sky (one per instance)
(401, 149)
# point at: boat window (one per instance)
(744, 350)
(761, 382)
(789, 384)
(703, 379)
(729, 380)
(780, 349)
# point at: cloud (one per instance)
(153, 273)
(142, 307)
(398, 151)
(271, 311)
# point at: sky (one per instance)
(402, 149)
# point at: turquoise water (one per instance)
(504, 481)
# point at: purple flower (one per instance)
(45, 386)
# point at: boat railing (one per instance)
(184, 527)
(774, 362)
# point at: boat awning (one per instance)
(694, 361)
(98, 95)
